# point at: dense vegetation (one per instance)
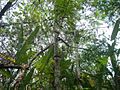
(56, 45)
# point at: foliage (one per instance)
(27, 36)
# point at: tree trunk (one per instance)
(57, 63)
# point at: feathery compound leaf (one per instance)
(21, 56)
(115, 30)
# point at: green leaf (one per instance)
(115, 30)
(42, 62)
(103, 60)
(11, 0)
(21, 55)
(28, 77)
(5, 73)
(20, 38)
(118, 52)
(92, 82)
(7, 58)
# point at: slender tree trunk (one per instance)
(57, 63)
(77, 60)
(77, 67)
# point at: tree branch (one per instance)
(6, 7)
(39, 53)
(10, 66)
(70, 45)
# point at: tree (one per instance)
(54, 46)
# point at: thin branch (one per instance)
(39, 53)
(2, 66)
(6, 7)
(70, 45)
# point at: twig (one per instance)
(6, 7)
(70, 45)
(10, 66)
(39, 53)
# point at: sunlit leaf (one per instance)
(5, 73)
(7, 58)
(21, 54)
(103, 60)
(92, 82)
(115, 30)
(43, 61)
(28, 77)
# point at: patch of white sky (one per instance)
(103, 31)
(103, 28)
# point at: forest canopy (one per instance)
(59, 45)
